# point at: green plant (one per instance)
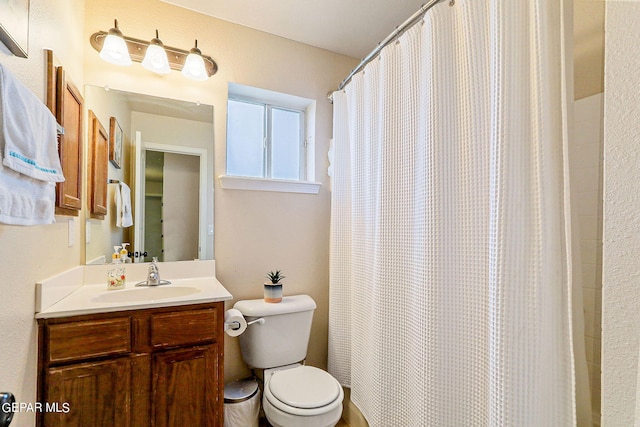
(275, 277)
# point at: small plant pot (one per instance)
(273, 292)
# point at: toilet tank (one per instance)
(284, 336)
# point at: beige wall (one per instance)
(621, 242)
(32, 253)
(254, 231)
(585, 151)
(589, 37)
(588, 51)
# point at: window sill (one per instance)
(261, 184)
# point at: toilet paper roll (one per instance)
(232, 316)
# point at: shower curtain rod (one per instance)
(390, 38)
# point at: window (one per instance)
(265, 141)
(269, 141)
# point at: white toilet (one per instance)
(294, 394)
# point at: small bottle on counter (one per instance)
(115, 271)
(124, 254)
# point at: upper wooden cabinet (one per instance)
(99, 156)
(66, 103)
(69, 106)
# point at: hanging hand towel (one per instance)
(125, 194)
(28, 132)
(24, 200)
(118, 199)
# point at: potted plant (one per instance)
(273, 288)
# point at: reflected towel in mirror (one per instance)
(123, 206)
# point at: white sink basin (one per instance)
(145, 293)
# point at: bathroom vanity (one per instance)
(160, 367)
(112, 358)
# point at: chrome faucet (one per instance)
(153, 276)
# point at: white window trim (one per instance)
(228, 182)
(308, 106)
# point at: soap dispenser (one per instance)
(115, 271)
(124, 254)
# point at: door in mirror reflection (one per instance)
(171, 206)
(169, 197)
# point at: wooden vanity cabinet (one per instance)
(156, 367)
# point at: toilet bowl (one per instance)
(298, 395)
(275, 343)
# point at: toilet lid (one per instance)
(304, 387)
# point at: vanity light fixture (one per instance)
(155, 59)
(114, 48)
(138, 50)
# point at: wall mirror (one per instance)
(167, 162)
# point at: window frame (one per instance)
(306, 108)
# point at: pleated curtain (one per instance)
(450, 284)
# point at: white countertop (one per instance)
(87, 298)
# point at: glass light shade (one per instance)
(156, 59)
(194, 67)
(115, 51)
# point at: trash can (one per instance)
(241, 403)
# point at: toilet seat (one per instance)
(304, 391)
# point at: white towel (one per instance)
(24, 200)
(118, 199)
(28, 131)
(124, 208)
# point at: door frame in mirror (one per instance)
(140, 147)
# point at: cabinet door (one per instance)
(66, 103)
(69, 114)
(99, 148)
(89, 394)
(186, 390)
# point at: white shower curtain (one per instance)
(450, 295)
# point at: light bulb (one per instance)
(155, 59)
(194, 68)
(115, 50)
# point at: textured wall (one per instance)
(621, 246)
(29, 254)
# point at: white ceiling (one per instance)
(349, 27)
